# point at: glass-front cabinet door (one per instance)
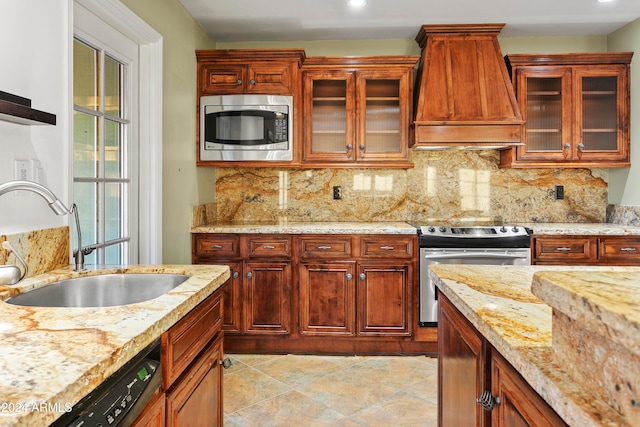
(381, 134)
(545, 103)
(329, 119)
(576, 108)
(600, 126)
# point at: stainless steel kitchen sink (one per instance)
(100, 291)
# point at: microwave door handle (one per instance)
(474, 255)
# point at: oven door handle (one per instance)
(475, 255)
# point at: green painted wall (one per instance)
(183, 184)
(623, 183)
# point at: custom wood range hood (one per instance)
(463, 96)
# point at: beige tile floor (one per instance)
(341, 391)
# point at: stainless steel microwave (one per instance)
(246, 127)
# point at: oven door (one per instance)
(483, 256)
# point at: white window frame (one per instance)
(149, 118)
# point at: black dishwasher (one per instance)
(120, 398)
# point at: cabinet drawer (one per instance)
(182, 343)
(387, 246)
(620, 250)
(565, 249)
(268, 246)
(325, 247)
(216, 245)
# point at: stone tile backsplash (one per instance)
(444, 187)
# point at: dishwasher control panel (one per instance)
(114, 406)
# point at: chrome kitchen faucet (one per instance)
(56, 206)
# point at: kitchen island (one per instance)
(52, 357)
(499, 303)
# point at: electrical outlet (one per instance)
(337, 192)
(22, 170)
(559, 192)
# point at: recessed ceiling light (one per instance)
(356, 3)
(605, 1)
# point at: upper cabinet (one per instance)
(576, 108)
(357, 111)
(271, 72)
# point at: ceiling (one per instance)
(286, 20)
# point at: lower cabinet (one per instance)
(196, 399)
(585, 250)
(191, 359)
(287, 293)
(477, 386)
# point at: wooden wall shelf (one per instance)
(17, 109)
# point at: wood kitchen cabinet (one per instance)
(301, 289)
(469, 366)
(357, 111)
(192, 362)
(356, 294)
(251, 71)
(270, 72)
(585, 250)
(576, 108)
(258, 295)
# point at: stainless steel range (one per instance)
(484, 245)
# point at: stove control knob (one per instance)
(514, 229)
(431, 229)
(443, 229)
(503, 229)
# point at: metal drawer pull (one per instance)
(628, 249)
(268, 247)
(387, 248)
(563, 249)
(323, 248)
(487, 401)
(216, 246)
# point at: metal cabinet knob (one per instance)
(235, 275)
(252, 81)
(226, 363)
(487, 401)
(362, 147)
(349, 276)
(249, 275)
(349, 146)
(238, 82)
(581, 146)
(362, 276)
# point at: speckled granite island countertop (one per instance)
(286, 227)
(499, 302)
(53, 357)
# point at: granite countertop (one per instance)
(287, 227)
(53, 357)
(499, 302)
(585, 229)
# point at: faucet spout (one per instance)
(54, 203)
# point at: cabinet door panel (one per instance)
(519, 404)
(231, 298)
(327, 301)
(268, 297)
(196, 400)
(222, 79)
(274, 79)
(462, 371)
(384, 295)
